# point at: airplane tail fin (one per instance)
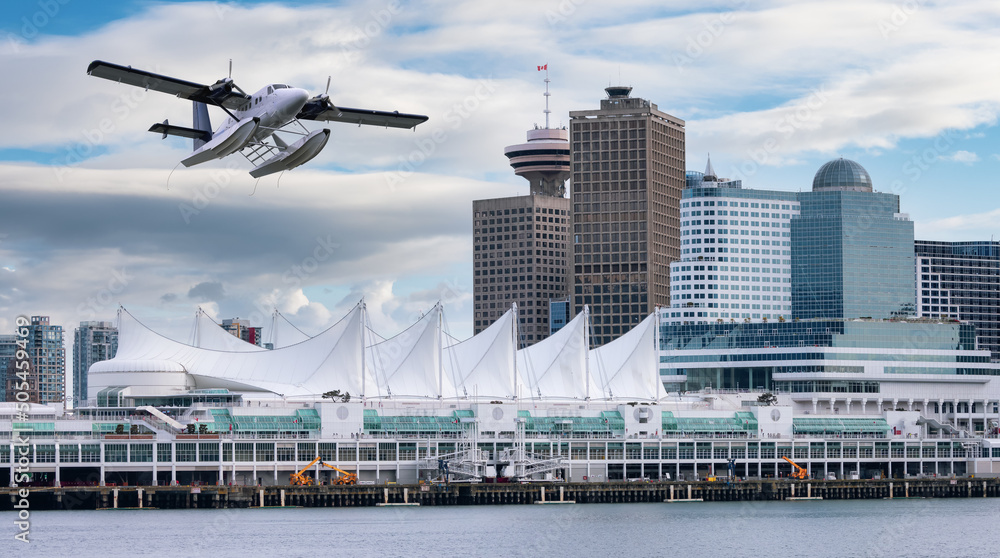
(201, 123)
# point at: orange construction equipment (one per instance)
(344, 478)
(798, 472)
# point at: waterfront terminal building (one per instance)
(853, 399)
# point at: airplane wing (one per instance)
(220, 93)
(321, 109)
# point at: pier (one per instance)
(219, 497)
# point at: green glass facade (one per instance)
(852, 256)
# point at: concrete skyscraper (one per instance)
(627, 179)
(521, 243)
(92, 342)
(852, 250)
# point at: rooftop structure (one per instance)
(421, 363)
(842, 175)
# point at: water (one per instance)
(911, 528)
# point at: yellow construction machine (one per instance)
(798, 471)
(344, 478)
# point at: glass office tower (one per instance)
(852, 250)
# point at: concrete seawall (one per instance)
(180, 497)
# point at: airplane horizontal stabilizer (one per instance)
(171, 130)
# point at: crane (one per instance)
(344, 478)
(798, 471)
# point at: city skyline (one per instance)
(94, 216)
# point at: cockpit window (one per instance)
(280, 86)
(270, 90)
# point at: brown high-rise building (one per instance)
(627, 179)
(520, 255)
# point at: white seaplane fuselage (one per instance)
(275, 105)
(267, 110)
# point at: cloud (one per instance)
(207, 291)
(385, 214)
(962, 156)
(972, 226)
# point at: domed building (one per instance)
(844, 175)
(852, 248)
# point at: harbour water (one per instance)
(911, 528)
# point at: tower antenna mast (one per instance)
(547, 95)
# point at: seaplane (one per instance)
(253, 121)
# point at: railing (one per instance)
(844, 436)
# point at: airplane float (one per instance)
(252, 119)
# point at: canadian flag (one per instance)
(545, 67)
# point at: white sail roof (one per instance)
(284, 333)
(210, 335)
(483, 365)
(331, 360)
(626, 368)
(556, 367)
(409, 364)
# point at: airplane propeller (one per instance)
(325, 97)
(227, 82)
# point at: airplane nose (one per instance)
(297, 99)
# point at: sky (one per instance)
(95, 211)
